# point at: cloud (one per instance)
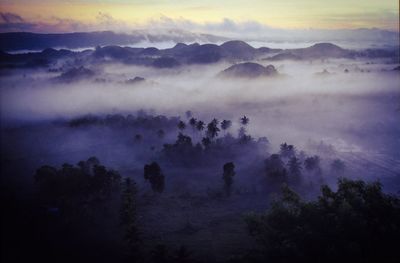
(105, 19)
(10, 22)
(248, 30)
(251, 30)
(13, 22)
(10, 18)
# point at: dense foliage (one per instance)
(356, 223)
(153, 173)
(86, 181)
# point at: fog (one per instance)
(354, 112)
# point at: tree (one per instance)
(212, 129)
(310, 163)
(49, 181)
(152, 172)
(91, 161)
(295, 169)
(243, 137)
(128, 215)
(71, 187)
(181, 125)
(357, 223)
(193, 122)
(226, 124)
(244, 120)
(206, 142)
(183, 141)
(101, 181)
(287, 151)
(275, 170)
(200, 126)
(104, 181)
(228, 173)
(242, 132)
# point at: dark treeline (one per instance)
(91, 212)
(141, 119)
(355, 223)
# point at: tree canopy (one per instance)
(152, 172)
(357, 223)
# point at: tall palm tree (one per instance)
(193, 122)
(226, 124)
(212, 129)
(244, 120)
(200, 125)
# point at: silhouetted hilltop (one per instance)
(249, 70)
(285, 56)
(135, 80)
(238, 49)
(321, 50)
(114, 52)
(75, 74)
(204, 54)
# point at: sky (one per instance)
(119, 15)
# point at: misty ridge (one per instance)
(176, 154)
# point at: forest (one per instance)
(199, 181)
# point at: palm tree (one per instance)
(181, 125)
(226, 124)
(244, 120)
(212, 129)
(242, 132)
(193, 122)
(200, 126)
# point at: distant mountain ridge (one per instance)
(34, 41)
(234, 51)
